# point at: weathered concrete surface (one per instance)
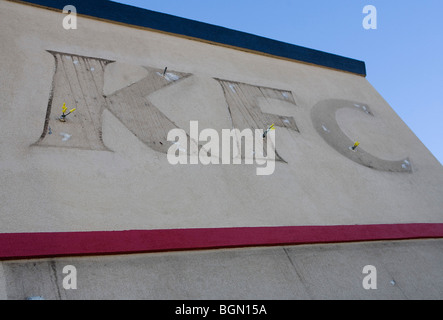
(3, 295)
(134, 187)
(303, 272)
(123, 182)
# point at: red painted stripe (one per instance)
(57, 244)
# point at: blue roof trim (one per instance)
(121, 13)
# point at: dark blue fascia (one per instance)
(121, 13)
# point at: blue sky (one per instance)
(403, 56)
